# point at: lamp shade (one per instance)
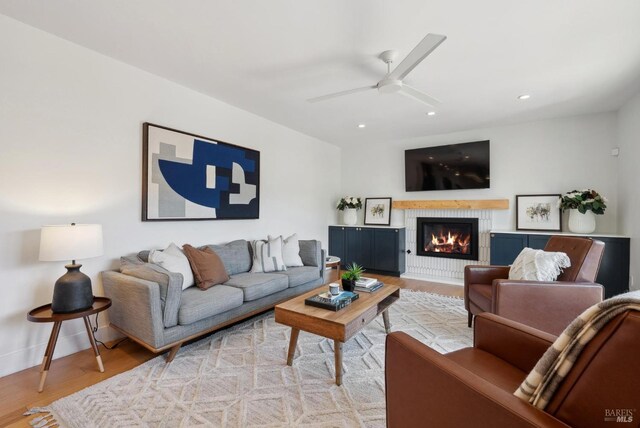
(70, 242)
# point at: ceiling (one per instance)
(268, 57)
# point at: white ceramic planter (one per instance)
(582, 223)
(349, 216)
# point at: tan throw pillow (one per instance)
(207, 267)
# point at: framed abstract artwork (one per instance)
(190, 177)
(377, 211)
(538, 212)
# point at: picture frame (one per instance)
(190, 177)
(377, 211)
(538, 212)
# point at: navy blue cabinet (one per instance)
(614, 268)
(506, 247)
(359, 246)
(378, 250)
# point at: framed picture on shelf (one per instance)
(538, 212)
(377, 211)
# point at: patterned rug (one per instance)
(239, 378)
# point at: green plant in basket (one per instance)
(353, 273)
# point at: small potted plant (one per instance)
(350, 276)
(582, 206)
(349, 205)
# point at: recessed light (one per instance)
(524, 97)
(362, 125)
(431, 113)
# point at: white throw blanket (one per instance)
(538, 265)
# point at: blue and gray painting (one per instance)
(219, 176)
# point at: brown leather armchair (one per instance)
(473, 387)
(547, 306)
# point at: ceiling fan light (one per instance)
(524, 97)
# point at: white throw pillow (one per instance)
(267, 256)
(538, 265)
(290, 250)
(174, 260)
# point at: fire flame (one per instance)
(451, 243)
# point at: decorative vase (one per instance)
(348, 284)
(349, 216)
(582, 223)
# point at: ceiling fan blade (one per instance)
(339, 94)
(420, 52)
(417, 95)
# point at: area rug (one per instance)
(239, 378)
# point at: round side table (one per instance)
(333, 262)
(45, 314)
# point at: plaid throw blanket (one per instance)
(540, 385)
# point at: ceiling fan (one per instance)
(393, 81)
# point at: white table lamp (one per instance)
(72, 291)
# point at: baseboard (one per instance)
(32, 356)
(438, 279)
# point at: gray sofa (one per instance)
(150, 307)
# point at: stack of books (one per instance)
(328, 301)
(368, 285)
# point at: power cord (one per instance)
(95, 330)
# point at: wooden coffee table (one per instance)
(339, 326)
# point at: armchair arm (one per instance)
(135, 307)
(424, 388)
(479, 274)
(519, 345)
(546, 306)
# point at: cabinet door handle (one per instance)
(396, 230)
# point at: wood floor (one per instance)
(72, 373)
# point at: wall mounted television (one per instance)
(450, 167)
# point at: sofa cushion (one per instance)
(301, 275)
(290, 250)
(235, 256)
(267, 256)
(173, 259)
(257, 285)
(170, 284)
(310, 252)
(207, 267)
(197, 304)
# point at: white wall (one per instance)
(70, 139)
(629, 180)
(553, 156)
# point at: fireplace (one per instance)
(454, 238)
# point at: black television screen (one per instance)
(451, 167)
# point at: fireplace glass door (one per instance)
(455, 238)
